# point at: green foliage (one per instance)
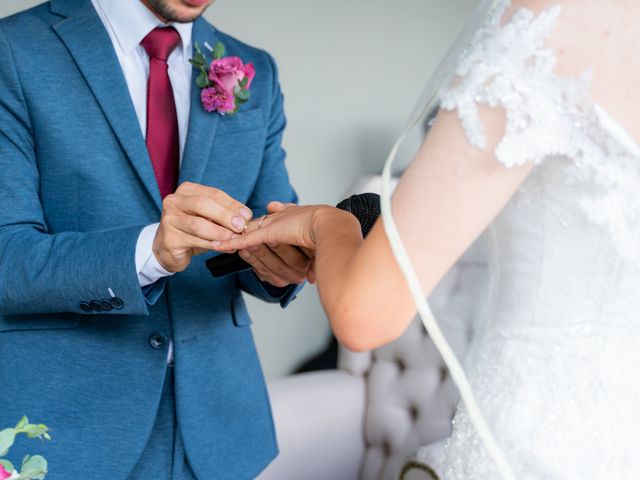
(22, 423)
(242, 96)
(199, 61)
(203, 80)
(8, 466)
(7, 437)
(219, 51)
(33, 467)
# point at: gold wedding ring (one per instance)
(262, 219)
(244, 230)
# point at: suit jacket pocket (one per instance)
(240, 313)
(16, 323)
(241, 122)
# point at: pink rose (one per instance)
(250, 72)
(4, 475)
(227, 73)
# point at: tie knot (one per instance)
(160, 42)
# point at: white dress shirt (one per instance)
(128, 23)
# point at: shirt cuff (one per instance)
(147, 265)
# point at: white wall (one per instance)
(351, 71)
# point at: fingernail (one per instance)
(246, 213)
(244, 254)
(217, 243)
(253, 249)
(238, 222)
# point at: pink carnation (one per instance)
(3, 473)
(227, 73)
(215, 101)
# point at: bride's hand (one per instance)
(289, 225)
(285, 225)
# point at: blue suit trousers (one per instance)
(164, 455)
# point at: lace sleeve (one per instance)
(509, 66)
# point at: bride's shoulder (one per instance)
(572, 30)
(525, 60)
(576, 21)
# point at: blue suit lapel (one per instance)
(202, 124)
(89, 44)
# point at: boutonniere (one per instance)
(225, 81)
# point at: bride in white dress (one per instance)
(525, 144)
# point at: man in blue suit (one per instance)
(112, 177)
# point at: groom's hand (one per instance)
(193, 219)
(279, 266)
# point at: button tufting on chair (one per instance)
(410, 396)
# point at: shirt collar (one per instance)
(131, 21)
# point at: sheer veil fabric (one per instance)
(546, 396)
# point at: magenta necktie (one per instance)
(163, 138)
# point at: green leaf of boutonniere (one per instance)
(242, 95)
(199, 60)
(243, 82)
(202, 81)
(196, 63)
(218, 51)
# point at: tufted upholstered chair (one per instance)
(366, 420)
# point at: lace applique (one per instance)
(509, 66)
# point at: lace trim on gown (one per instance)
(509, 66)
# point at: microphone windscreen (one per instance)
(365, 207)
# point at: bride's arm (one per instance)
(443, 202)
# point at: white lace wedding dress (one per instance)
(557, 373)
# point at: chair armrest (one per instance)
(319, 420)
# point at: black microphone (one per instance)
(365, 207)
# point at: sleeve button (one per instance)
(117, 303)
(95, 305)
(106, 305)
(85, 307)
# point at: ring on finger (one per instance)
(262, 219)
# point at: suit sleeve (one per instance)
(273, 184)
(43, 272)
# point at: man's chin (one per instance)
(185, 11)
(186, 17)
(191, 10)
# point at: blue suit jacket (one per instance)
(76, 189)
